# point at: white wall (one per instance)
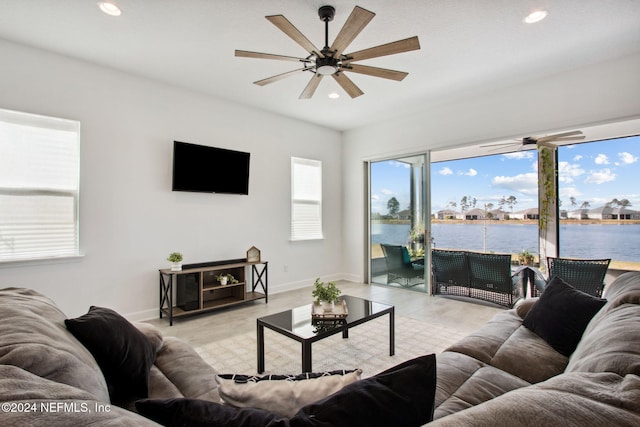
(130, 220)
(601, 93)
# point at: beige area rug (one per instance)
(366, 348)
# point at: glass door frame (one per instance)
(425, 209)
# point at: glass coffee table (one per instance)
(298, 324)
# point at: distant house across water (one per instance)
(600, 213)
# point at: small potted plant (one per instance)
(525, 257)
(226, 279)
(326, 295)
(175, 258)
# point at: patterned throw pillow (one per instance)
(282, 394)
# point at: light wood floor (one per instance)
(204, 328)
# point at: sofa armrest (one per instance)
(523, 306)
(181, 372)
(30, 400)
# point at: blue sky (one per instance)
(590, 172)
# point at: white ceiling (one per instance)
(467, 46)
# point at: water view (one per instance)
(620, 242)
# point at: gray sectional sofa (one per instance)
(502, 375)
(48, 378)
(506, 375)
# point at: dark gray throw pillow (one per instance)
(402, 396)
(125, 355)
(561, 315)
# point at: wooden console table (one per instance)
(196, 289)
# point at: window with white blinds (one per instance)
(39, 180)
(306, 199)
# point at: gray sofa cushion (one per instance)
(570, 400)
(458, 390)
(505, 344)
(610, 345)
(39, 342)
(56, 404)
(183, 373)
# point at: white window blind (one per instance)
(306, 199)
(39, 180)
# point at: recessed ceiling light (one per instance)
(110, 8)
(536, 16)
(334, 95)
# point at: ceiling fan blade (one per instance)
(376, 72)
(311, 87)
(562, 135)
(345, 82)
(559, 136)
(500, 144)
(259, 55)
(392, 48)
(569, 138)
(295, 34)
(356, 22)
(278, 77)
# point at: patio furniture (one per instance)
(400, 265)
(449, 269)
(586, 275)
(482, 276)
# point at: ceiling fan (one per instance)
(331, 60)
(545, 141)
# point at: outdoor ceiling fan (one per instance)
(330, 60)
(545, 141)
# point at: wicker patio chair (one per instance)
(586, 275)
(450, 274)
(399, 265)
(491, 279)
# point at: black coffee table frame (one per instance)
(360, 311)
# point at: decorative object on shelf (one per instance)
(175, 258)
(253, 254)
(326, 295)
(339, 312)
(525, 257)
(225, 279)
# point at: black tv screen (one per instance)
(204, 169)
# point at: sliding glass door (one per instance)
(398, 222)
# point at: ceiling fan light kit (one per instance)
(331, 60)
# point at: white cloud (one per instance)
(601, 159)
(567, 192)
(568, 171)
(445, 171)
(471, 172)
(627, 158)
(577, 158)
(601, 176)
(387, 192)
(519, 155)
(526, 183)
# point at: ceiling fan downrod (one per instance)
(326, 14)
(327, 65)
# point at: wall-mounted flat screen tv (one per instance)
(204, 169)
